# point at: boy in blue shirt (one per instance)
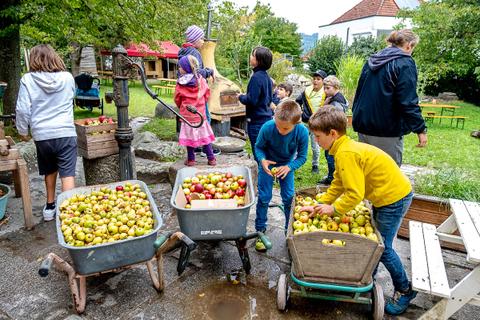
(281, 148)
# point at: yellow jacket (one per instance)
(363, 171)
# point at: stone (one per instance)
(447, 96)
(137, 123)
(229, 144)
(223, 163)
(29, 154)
(164, 113)
(148, 146)
(150, 171)
(104, 170)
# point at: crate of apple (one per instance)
(215, 186)
(106, 215)
(101, 120)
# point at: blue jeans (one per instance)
(331, 164)
(252, 130)
(207, 113)
(265, 186)
(388, 220)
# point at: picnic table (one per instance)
(444, 108)
(428, 269)
(431, 115)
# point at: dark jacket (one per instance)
(338, 101)
(189, 49)
(306, 107)
(386, 101)
(258, 97)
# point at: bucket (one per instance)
(3, 199)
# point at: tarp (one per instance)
(167, 50)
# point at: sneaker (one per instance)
(212, 162)
(314, 169)
(259, 246)
(400, 302)
(198, 150)
(326, 181)
(48, 214)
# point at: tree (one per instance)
(325, 54)
(365, 46)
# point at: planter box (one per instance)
(431, 210)
(96, 141)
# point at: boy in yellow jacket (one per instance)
(364, 171)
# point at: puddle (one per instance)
(224, 300)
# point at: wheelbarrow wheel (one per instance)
(282, 292)
(378, 302)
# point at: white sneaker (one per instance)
(48, 214)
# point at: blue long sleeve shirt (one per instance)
(271, 145)
(258, 97)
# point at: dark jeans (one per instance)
(388, 220)
(331, 165)
(265, 186)
(252, 130)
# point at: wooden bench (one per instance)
(428, 269)
(431, 117)
(166, 89)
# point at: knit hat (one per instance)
(194, 33)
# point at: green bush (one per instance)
(348, 70)
(365, 46)
(325, 54)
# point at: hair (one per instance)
(194, 64)
(287, 87)
(44, 58)
(264, 57)
(327, 118)
(289, 111)
(331, 81)
(400, 38)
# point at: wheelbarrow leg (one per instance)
(76, 282)
(243, 252)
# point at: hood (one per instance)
(379, 59)
(49, 81)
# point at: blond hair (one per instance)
(290, 111)
(331, 81)
(44, 58)
(399, 38)
(194, 64)
(328, 118)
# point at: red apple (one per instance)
(240, 192)
(199, 188)
(242, 183)
(119, 188)
(228, 175)
(102, 118)
(208, 196)
(231, 193)
(212, 190)
(192, 188)
(218, 195)
(223, 179)
(189, 198)
(110, 120)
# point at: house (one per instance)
(368, 18)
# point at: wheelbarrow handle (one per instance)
(159, 241)
(154, 96)
(45, 266)
(266, 241)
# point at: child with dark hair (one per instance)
(192, 89)
(259, 94)
(282, 143)
(45, 105)
(284, 91)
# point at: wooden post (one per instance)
(24, 184)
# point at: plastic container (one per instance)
(4, 199)
(107, 256)
(213, 224)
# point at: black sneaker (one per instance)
(314, 169)
(326, 181)
(198, 150)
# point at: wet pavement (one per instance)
(212, 287)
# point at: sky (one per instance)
(307, 14)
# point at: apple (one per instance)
(198, 188)
(231, 193)
(212, 190)
(110, 120)
(119, 188)
(189, 198)
(223, 179)
(240, 192)
(192, 188)
(195, 180)
(208, 196)
(234, 186)
(228, 175)
(242, 183)
(218, 195)
(220, 185)
(102, 118)
(186, 191)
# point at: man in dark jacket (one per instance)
(385, 107)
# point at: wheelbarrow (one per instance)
(217, 224)
(116, 256)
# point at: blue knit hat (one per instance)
(194, 33)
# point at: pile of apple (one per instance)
(215, 186)
(101, 120)
(106, 215)
(356, 221)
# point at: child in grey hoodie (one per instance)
(45, 105)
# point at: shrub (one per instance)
(325, 54)
(365, 46)
(348, 71)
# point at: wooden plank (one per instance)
(436, 267)
(13, 154)
(420, 275)
(470, 235)
(8, 165)
(25, 185)
(474, 211)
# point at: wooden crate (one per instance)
(352, 264)
(431, 210)
(96, 141)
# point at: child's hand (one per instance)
(25, 138)
(323, 209)
(265, 164)
(282, 171)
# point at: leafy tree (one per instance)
(325, 54)
(281, 67)
(365, 46)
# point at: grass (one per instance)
(165, 129)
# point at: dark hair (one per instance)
(290, 111)
(399, 38)
(44, 58)
(327, 118)
(264, 57)
(287, 87)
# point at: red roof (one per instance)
(167, 50)
(369, 8)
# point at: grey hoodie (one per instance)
(45, 104)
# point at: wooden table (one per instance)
(428, 269)
(444, 108)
